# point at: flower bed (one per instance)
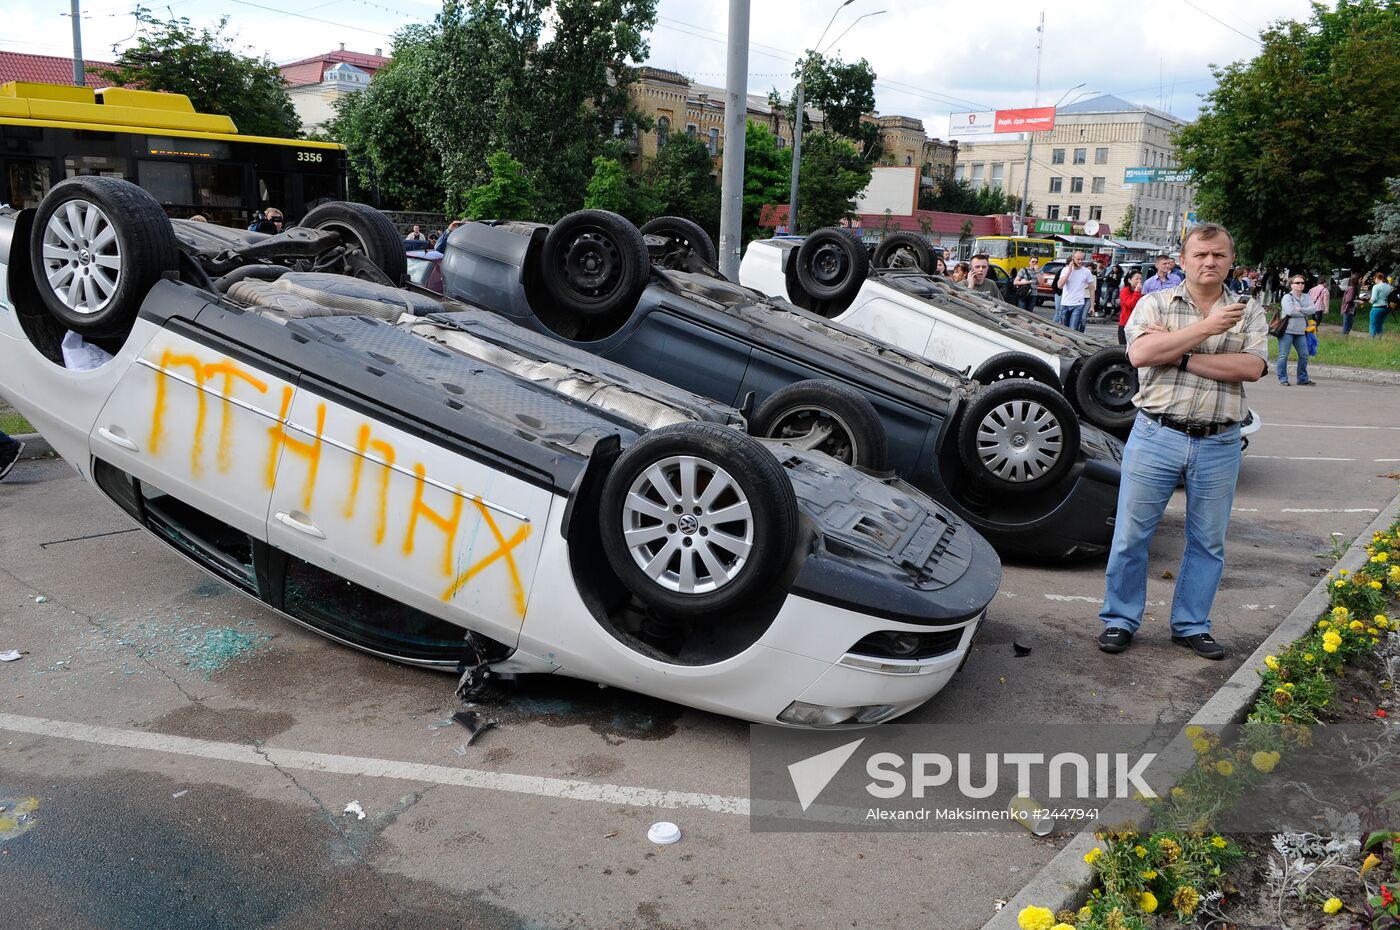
(1343, 671)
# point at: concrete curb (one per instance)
(35, 446)
(1064, 882)
(1358, 375)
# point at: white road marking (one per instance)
(1331, 510)
(1302, 458)
(1331, 426)
(1259, 607)
(1387, 460)
(1073, 597)
(359, 766)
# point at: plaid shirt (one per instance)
(1168, 391)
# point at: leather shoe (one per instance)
(1115, 639)
(1204, 645)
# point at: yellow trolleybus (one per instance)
(1012, 253)
(193, 163)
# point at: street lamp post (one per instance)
(1030, 142)
(797, 121)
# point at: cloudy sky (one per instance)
(933, 57)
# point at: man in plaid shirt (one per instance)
(1194, 347)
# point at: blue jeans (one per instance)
(1059, 314)
(1028, 302)
(1347, 320)
(1072, 315)
(1154, 461)
(1377, 320)
(1286, 343)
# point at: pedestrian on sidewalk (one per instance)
(1025, 284)
(1195, 346)
(1353, 289)
(1380, 291)
(10, 449)
(1297, 308)
(1128, 299)
(1075, 283)
(1320, 296)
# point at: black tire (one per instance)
(362, 227)
(93, 278)
(594, 263)
(683, 234)
(1007, 365)
(754, 478)
(1018, 436)
(856, 434)
(832, 265)
(1104, 389)
(904, 250)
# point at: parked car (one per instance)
(932, 317)
(1012, 459)
(429, 483)
(1045, 281)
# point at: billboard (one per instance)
(1153, 175)
(964, 125)
(892, 188)
(1028, 119)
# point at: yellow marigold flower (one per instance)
(1194, 732)
(1171, 850)
(1148, 902)
(1035, 918)
(1340, 613)
(1356, 626)
(1186, 899)
(1323, 624)
(1333, 637)
(1085, 912)
(1329, 647)
(1218, 842)
(1149, 875)
(1376, 585)
(1141, 851)
(1309, 657)
(1062, 927)
(1382, 557)
(1093, 855)
(1372, 632)
(1201, 746)
(1380, 619)
(1263, 761)
(1339, 584)
(1331, 905)
(1178, 792)
(1224, 766)
(1271, 662)
(1375, 641)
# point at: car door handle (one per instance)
(310, 529)
(117, 439)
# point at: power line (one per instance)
(1223, 23)
(314, 19)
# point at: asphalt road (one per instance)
(193, 754)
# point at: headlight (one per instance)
(906, 644)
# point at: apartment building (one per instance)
(1077, 169)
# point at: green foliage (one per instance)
(833, 174)
(382, 127)
(553, 104)
(1381, 246)
(844, 93)
(1293, 146)
(509, 193)
(614, 188)
(1126, 224)
(767, 176)
(955, 196)
(172, 56)
(681, 182)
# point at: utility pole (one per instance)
(78, 77)
(796, 163)
(736, 106)
(1030, 136)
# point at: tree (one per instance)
(1381, 246)
(844, 93)
(1128, 224)
(767, 176)
(956, 196)
(833, 174)
(680, 180)
(614, 188)
(383, 130)
(509, 194)
(553, 103)
(1294, 145)
(172, 56)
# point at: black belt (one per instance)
(1184, 426)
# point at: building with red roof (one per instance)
(316, 83)
(47, 69)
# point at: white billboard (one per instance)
(895, 189)
(964, 125)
